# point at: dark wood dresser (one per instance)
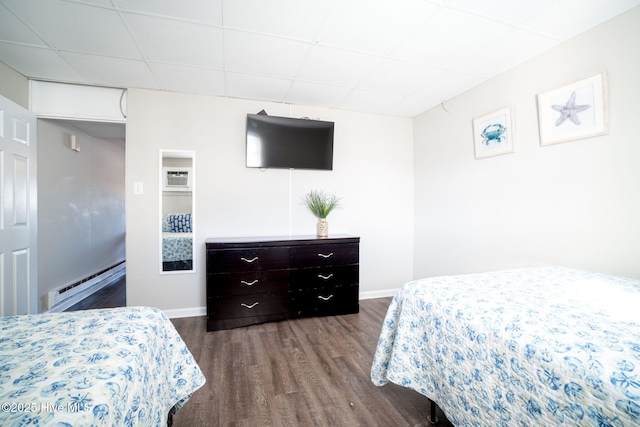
(262, 279)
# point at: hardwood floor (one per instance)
(304, 372)
(112, 295)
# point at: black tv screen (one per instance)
(288, 143)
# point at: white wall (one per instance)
(14, 85)
(373, 172)
(81, 219)
(575, 204)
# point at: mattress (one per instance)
(177, 246)
(524, 347)
(111, 367)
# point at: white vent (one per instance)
(176, 179)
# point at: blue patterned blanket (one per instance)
(177, 246)
(526, 347)
(112, 367)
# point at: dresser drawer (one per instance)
(322, 255)
(248, 305)
(324, 277)
(251, 282)
(322, 302)
(239, 260)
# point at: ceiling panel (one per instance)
(205, 11)
(105, 3)
(369, 101)
(314, 94)
(508, 52)
(513, 12)
(115, 72)
(177, 42)
(39, 63)
(180, 78)
(449, 38)
(260, 54)
(400, 77)
(77, 27)
(297, 19)
(337, 66)
(568, 18)
(14, 30)
(250, 86)
(380, 26)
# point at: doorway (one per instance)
(81, 233)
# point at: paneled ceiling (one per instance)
(395, 57)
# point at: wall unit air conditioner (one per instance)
(176, 179)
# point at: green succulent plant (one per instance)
(320, 203)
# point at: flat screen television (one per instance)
(289, 143)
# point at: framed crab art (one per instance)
(493, 134)
(575, 111)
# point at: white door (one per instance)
(18, 210)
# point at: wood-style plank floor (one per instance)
(304, 372)
(112, 295)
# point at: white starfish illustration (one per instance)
(570, 110)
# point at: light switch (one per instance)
(138, 188)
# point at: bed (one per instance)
(177, 241)
(523, 347)
(122, 366)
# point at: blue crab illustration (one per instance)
(493, 133)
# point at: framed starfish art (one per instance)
(575, 111)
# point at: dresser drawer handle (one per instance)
(325, 298)
(249, 306)
(325, 277)
(249, 283)
(325, 256)
(249, 260)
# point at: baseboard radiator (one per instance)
(67, 295)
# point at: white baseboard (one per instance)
(379, 294)
(178, 313)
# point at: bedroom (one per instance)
(568, 204)
(571, 204)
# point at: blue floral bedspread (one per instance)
(177, 246)
(111, 367)
(525, 347)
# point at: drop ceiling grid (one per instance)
(399, 57)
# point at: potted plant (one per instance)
(321, 204)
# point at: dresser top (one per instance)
(244, 242)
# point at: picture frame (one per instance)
(493, 134)
(575, 111)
